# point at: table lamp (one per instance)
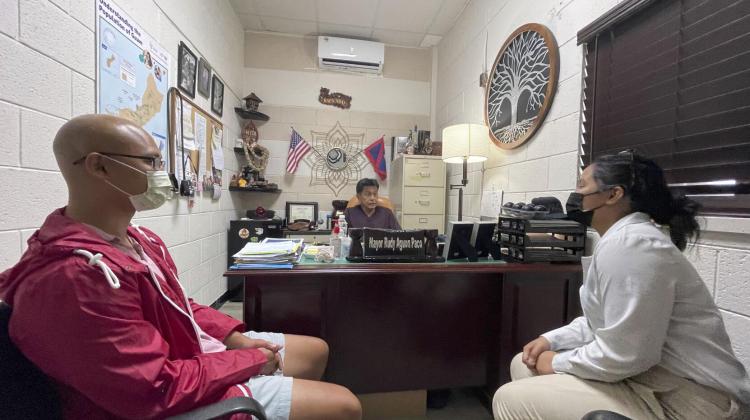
(465, 143)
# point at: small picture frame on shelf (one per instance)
(297, 210)
(217, 96)
(204, 78)
(401, 143)
(187, 65)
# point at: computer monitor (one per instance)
(458, 241)
(481, 238)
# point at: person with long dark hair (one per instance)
(651, 342)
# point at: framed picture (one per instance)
(296, 210)
(204, 78)
(187, 64)
(217, 96)
(401, 143)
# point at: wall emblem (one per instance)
(336, 158)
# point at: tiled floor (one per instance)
(233, 309)
(463, 404)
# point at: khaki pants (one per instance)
(654, 394)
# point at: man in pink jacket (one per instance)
(98, 307)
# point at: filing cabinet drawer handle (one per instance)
(423, 174)
(423, 202)
(423, 220)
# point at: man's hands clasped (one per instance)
(270, 350)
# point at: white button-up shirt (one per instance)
(644, 304)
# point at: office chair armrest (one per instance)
(235, 405)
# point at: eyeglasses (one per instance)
(157, 163)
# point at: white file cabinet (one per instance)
(417, 190)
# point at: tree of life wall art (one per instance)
(521, 86)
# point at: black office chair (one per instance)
(604, 415)
(26, 393)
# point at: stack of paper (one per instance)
(269, 253)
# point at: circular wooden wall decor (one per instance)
(521, 86)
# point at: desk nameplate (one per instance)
(369, 244)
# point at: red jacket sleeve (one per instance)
(215, 323)
(77, 329)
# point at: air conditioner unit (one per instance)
(350, 55)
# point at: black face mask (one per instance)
(574, 209)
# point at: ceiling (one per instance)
(407, 23)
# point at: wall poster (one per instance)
(132, 73)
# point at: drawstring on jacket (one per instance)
(96, 259)
(189, 312)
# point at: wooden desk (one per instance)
(396, 327)
(322, 236)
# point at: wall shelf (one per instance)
(251, 115)
(255, 190)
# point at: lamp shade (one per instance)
(470, 141)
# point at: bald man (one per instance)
(98, 307)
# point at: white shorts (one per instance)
(273, 392)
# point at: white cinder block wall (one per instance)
(289, 84)
(47, 73)
(546, 165)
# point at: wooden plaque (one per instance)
(521, 86)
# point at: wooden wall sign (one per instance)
(521, 86)
(335, 99)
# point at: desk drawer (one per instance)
(424, 172)
(423, 200)
(423, 221)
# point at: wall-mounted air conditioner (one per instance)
(350, 55)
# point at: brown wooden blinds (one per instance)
(671, 79)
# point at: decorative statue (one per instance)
(257, 158)
(255, 154)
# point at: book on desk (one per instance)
(270, 253)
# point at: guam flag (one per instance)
(376, 155)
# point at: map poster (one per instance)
(132, 73)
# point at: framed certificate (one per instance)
(296, 210)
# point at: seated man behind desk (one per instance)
(368, 213)
(98, 305)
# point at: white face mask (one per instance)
(159, 189)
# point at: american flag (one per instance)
(298, 148)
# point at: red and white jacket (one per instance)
(116, 342)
